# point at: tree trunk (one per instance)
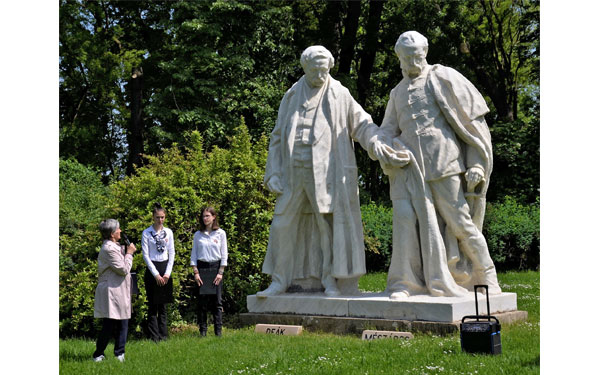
(495, 88)
(367, 58)
(135, 135)
(330, 26)
(349, 37)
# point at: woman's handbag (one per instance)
(134, 284)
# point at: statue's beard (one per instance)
(317, 81)
(414, 71)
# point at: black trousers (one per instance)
(157, 321)
(158, 297)
(210, 302)
(115, 328)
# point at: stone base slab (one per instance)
(379, 306)
(355, 326)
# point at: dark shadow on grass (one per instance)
(66, 355)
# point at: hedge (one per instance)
(185, 178)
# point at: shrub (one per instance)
(82, 200)
(516, 160)
(512, 231)
(185, 179)
(377, 226)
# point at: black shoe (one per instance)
(156, 340)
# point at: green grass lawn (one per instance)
(241, 351)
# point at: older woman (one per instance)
(113, 293)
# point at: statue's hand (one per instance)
(274, 185)
(473, 176)
(387, 156)
(380, 152)
(400, 158)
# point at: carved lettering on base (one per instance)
(278, 329)
(374, 335)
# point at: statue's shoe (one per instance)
(494, 288)
(488, 277)
(399, 295)
(272, 290)
(332, 291)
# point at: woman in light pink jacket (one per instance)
(113, 293)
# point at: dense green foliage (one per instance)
(207, 63)
(227, 60)
(186, 179)
(516, 148)
(512, 231)
(201, 66)
(82, 207)
(183, 180)
(241, 351)
(377, 226)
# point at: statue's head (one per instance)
(316, 62)
(411, 49)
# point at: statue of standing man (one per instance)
(434, 123)
(316, 230)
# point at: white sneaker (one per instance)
(121, 357)
(99, 358)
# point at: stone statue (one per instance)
(435, 146)
(316, 230)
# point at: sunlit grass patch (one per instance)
(241, 351)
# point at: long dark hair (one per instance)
(215, 224)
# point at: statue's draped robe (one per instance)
(335, 176)
(463, 107)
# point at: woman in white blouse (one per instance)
(209, 253)
(158, 251)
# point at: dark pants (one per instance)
(210, 302)
(157, 321)
(115, 328)
(158, 297)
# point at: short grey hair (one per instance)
(314, 52)
(411, 39)
(108, 227)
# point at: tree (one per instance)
(207, 63)
(348, 41)
(369, 49)
(500, 46)
(100, 43)
(228, 60)
(502, 35)
(136, 129)
(330, 26)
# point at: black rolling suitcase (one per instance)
(481, 336)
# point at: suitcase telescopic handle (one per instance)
(479, 316)
(487, 298)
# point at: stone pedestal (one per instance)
(379, 306)
(356, 326)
